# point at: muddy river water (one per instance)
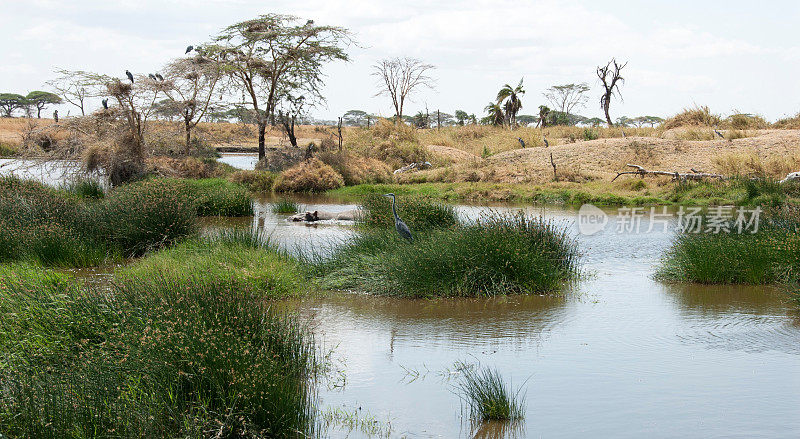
(616, 354)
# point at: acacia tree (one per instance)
(512, 96)
(567, 97)
(41, 99)
(189, 84)
(400, 78)
(72, 87)
(274, 55)
(611, 77)
(10, 102)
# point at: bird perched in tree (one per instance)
(719, 134)
(129, 75)
(105, 104)
(151, 76)
(309, 22)
(521, 142)
(188, 49)
(546, 144)
(159, 77)
(399, 225)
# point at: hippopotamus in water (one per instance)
(320, 215)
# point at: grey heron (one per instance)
(402, 228)
(188, 49)
(521, 142)
(55, 116)
(623, 133)
(546, 144)
(105, 104)
(129, 75)
(719, 134)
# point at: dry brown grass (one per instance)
(789, 123)
(256, 181)
(186, 167)
(357, 169)
(309, 176)
(697, 116)
(755, 164)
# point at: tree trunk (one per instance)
(290, 133)
(38, 112)
(262, 128)
(606, 106)
(188, 136)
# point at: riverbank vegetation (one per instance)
(151, 357)
(771, 255)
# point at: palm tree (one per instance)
(513, 102)
(495, 114)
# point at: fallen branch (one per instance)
(676, 175)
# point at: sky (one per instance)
(734, 56)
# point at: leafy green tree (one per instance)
(544, 110)
(495, 115)
(41, 99)
(355, 118)
(10, 102)
(461, 117)
(527, 119)
(511, 99)
(277, 55)
(595, 121)
(566, 98)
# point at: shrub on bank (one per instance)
(255, 181)
(309, 176)
(154, 358)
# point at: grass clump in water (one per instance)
(85, 188)
(500, 254)
(419, 213)
(285, 205)
(737, 258)
(238, 259)
(153, 357)
(487, 396)
(218, 197)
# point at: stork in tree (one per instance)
(399, 225)
(129, 75)
(105, 103)
(511, 99)
(188, 49)
(611, 77)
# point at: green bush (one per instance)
(500, 254)
(418, 213)
(85, 188)
(255, 181)
(285, 205)
(154, 357)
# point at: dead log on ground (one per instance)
(676, 175)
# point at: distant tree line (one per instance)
(33, 102)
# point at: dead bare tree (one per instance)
(400, 78)
(190, 84)
(611, 77)
(73, 87)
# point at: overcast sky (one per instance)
(730, 55)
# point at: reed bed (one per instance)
(285, 205)
(495, 255)
(767, 256)
(152, 357)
